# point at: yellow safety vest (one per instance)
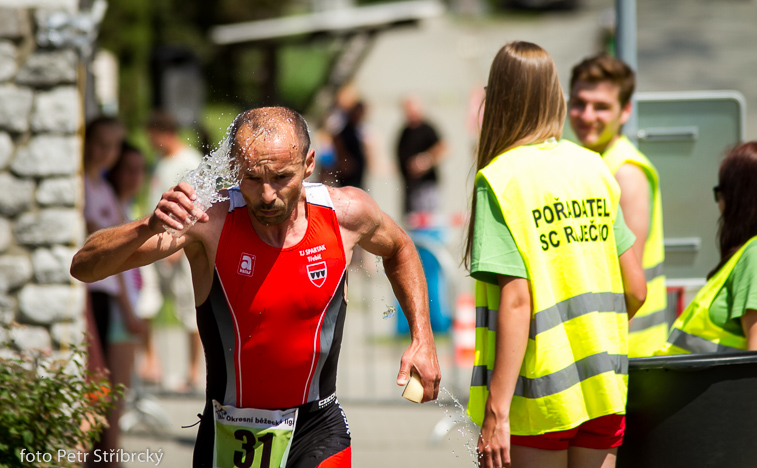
(649, 329)
(694, 332)
(560, 203)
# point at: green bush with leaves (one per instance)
(48, 404)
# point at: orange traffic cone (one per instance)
(464, 330)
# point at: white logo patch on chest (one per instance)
(317, 273)
(246, 265)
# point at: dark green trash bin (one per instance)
(695, 410)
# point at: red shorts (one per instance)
(601, 433)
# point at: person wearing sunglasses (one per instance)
(723, 314)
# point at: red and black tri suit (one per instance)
(272, 330)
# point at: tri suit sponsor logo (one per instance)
(246, 265)
(314, 253)
(317, 273)
(313, 250)
(326, 401)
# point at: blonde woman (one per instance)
(556, 281)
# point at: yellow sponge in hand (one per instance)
(414, 388)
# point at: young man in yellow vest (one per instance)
(600, 103)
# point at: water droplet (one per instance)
(389, 312)
(465, 427)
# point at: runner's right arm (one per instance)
(114, 250)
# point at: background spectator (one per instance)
(350, 148)
(176, 159)
(112, 299)
(419, 152)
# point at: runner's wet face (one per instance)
(272, 170)
(595, 113)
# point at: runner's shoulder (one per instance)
(353, 205)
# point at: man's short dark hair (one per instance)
(603, 67)
(264, 117)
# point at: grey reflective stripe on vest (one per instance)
(647, 321)
(575, 373)
(561, 380)
(576, 306)
(697, 344)
(486, 317)
(481, 376)
(653, 272)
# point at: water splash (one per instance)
(379, 264)
(389, 312)
(216, 171)
(465, 427)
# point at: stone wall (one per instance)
(41, 220)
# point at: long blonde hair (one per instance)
(524, 104)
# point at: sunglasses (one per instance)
(716, 193)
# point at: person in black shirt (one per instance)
(349, 145)
(419, 152)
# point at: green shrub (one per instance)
(48, 404)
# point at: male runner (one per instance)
(269, 275)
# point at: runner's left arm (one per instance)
(378, 234)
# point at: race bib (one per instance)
(252, 438)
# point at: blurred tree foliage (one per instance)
(133, 29)
(127, 32)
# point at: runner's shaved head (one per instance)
(269, 122)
